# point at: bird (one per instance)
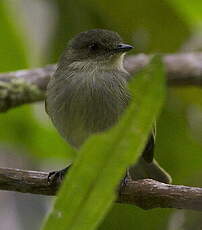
(89, 92)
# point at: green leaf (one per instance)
(190, 11)
(89, 189)
(13, 51)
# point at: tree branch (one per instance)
(27, 86)
(24, 86)
(146, 193)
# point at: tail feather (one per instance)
(147, 167)
(143, 169)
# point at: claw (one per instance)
(56, 177)
(124, 182)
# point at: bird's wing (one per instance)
(148, 153)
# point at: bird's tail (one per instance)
(143, 169)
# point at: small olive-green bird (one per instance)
(88, 93)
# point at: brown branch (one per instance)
(146, 194)
(184, 69)
(26, 181)
(27, 86)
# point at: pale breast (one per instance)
(84, 103)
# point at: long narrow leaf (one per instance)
(90, 187)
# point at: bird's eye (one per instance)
(93, 46)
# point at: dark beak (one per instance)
(123, 48)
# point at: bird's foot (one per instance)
(56, 177)
(123, 182)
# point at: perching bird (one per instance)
(88, 93)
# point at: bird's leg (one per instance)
(56, 177)
(124, 181)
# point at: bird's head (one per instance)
(97, 45)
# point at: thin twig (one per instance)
(27, 86)
(146, 193)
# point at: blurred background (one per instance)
(34, 33)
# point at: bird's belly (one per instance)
(91, 116)
(88, 109)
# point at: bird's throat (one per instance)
(114, 62)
